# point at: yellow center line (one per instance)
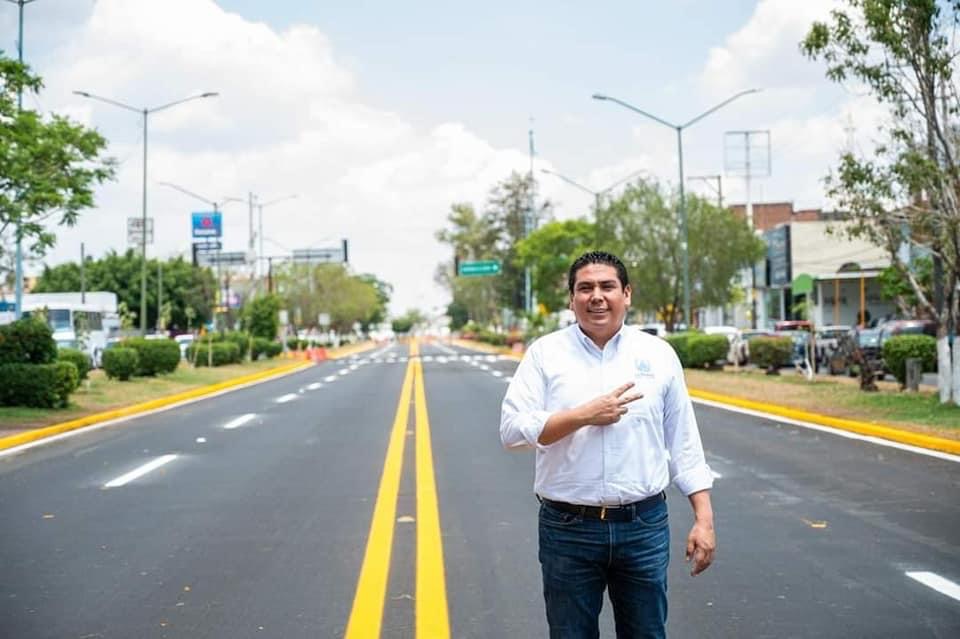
(431, 593)
(366, 616)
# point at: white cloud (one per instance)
(288, 120)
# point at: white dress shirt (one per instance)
(656, 442)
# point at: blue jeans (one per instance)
(580, 557)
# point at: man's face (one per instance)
(599, 301)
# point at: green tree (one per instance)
(906, 188)
(327, 288)
(48, 165)
(261, 316)
(383, 290)
(641, 227)
(549, 251)
(184, 285)
(407, 322)
(898, 289)
(472, 237)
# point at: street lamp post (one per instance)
(217, 206)
(143, 240)
(260, 207)
(18, 284)
(683, 210)
(596, 194)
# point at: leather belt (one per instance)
(624, 512)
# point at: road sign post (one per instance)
(479, 268)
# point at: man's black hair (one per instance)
(597, 257)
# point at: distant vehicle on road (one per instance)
(76, 324)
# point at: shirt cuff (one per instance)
(694, 479)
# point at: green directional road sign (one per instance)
(482, 267)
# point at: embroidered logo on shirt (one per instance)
(644, 368)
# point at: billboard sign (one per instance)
(207, 224)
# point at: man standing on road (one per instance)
(607, 410)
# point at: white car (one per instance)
(738, 353)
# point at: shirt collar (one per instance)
(591, 346)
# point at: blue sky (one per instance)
(380, 115)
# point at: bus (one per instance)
(83, 325)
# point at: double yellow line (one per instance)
(366, 616)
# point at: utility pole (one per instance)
(159, 292)
(18, 284)
(528, 228)
(83, 279)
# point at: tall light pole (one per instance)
(143, 240)
(596, 194)
(683, 206)
(260, 207)
(217, 205)
(18, 284)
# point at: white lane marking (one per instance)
(283, 399)
(938, 583)
(377, 360)
(392, 360)
(140, 472)
(477, 358)
(465, 358)
(496, 373)
(715, 474)
(354, 367)
(441, 359)
(330, 378)
(827, 429)
(201, 440)
(448, 351)
(427, 358)
(314, 386)
(239, 421)
(491, 358)
(508, 378)
(343, 371)
(484, 367)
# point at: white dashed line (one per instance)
(484, 367)
(496, 373)
(343, 371)
(715, 474)
(330, 378)
(289, 397)
(427, 358)
(441, 359)
(201, 440)
(314, 386)
(938, 583)
(239, 421)
(139, 472)
(491, 358)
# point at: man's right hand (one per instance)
(602, 411)
(609, 408)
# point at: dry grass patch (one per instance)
(837, 397)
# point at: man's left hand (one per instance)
(701, 544)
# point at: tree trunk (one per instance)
(944, 367)
(956, 369)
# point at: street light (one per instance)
(596, 194)
(18, 284)
(143, 244)
(683, 208)
(260, 207)
(216, 207)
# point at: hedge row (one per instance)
(38, 385)
(898, 349)
(217, 353)
(697, 350)
(27, 341)
(120, 363)
(771, 352)
(80, 359)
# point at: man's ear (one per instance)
(627, 291)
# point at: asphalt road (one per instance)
(255, 520)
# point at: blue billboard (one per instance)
(207, 224)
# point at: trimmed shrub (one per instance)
(38, 385)
(897, 349)
(221, 353)
(771, 352)
(120, 362)
(259, 347)
(706, 350)
(154, 355)
(66, 380)
(274, 349)
(27, 341)
(241, 339)
(680, 343)
(80, 359)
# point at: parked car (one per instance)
(828, 341)
(747, 335)
(737, 354)
(792, 325)
(844, 359)
(907, 327)
(801, 340)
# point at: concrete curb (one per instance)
(153, 404)
(863, 428)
